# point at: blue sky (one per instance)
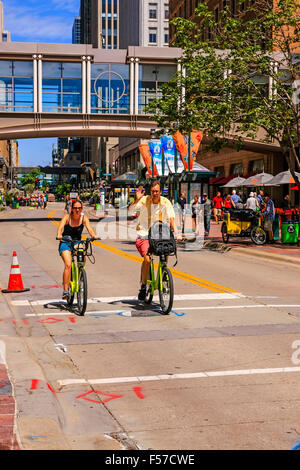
(39, 21)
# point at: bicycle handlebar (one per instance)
(70, 240)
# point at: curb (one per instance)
(8, 439)
(217, 246)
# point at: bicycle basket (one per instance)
(161, 240)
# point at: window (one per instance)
(166, 11)
(152, 35)
(153, 11)
(166, 36)
(236, 169)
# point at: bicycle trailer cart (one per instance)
(243, 223)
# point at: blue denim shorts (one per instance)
(65, 246)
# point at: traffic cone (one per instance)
(15, 283)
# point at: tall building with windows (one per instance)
(76, 31)
(144, 23)
(4, 35)
(100, 23)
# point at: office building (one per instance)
(100, 23)
(4, 35)
(76, 31)
(144, 23)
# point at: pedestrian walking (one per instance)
(195, 213)
(251, 202)
(68, 204)
(235, 198)
(218, 205)
(181, 201)
(260, 199)
(269, 216)
(45, 201)
(207, 208)
(227, 202)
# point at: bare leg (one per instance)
(67, 259)
(145, 268)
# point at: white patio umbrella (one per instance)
(261, 179)
(285, 177)
(234, 183)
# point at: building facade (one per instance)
(100, 23)
(144, 23)
(229, 162)
(4, 35)
(76, 31)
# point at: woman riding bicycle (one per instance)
(71, 225)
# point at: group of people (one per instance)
(216, 206)
(42, 201)
(255, 201)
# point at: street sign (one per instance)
(73, 195)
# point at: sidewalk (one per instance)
(278, 250)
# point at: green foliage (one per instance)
(223, 86)
(29, 178)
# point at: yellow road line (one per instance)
(178, 274)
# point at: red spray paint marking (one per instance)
(98, 392)
(72, 319)
(50, 320)
(35, 383)
(45, 287)
(138, 392)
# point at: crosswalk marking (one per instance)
(95, 300)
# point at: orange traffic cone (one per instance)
(15, 283)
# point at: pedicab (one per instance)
(243, 223)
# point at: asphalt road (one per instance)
(221, 371)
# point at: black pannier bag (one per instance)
(161, 239)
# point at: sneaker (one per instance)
(142, 293)
(65, 295)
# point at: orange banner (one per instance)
(147, 157)
(182, 145)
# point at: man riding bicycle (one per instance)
(152, 208)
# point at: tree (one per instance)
(243, 81)
(32, 177)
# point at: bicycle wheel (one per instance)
(166, 295)
(82, 291)
(149, 295)
(225, 235)
(258, 236)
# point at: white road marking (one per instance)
(95, 300)
(196, 375)
(48, 314)
(127, 313)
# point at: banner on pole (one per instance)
(169, 149)
(182, 145)
(155, 148)
(146, 156)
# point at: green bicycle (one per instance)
(78, 282)
(163, 283)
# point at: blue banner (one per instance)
(169, 149)
(156, 153)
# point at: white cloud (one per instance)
(38, 27)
